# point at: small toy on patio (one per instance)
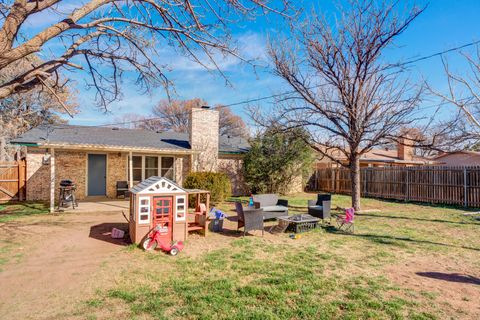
(157, 239)
(117, 233)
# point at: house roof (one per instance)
(381, 155)
(107, 137)
(472, 153)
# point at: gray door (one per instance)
(97, 173)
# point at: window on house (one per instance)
(151, 167)
(137, 168)
(167, 168)
(145, 167)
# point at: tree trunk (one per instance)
(355, 177)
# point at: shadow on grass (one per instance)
(388, 240)
(416, 219)
(451, 277)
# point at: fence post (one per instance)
(465, 187)
(365, 170)
(406, 183)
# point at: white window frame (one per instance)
(184, 211)
(140, 206)
(159, 172)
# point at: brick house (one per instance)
(458, 158)
(403, 155)
(95, 158)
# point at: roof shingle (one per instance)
(118, 137)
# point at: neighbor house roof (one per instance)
(466, 152)
(377, 155)
(119, 139)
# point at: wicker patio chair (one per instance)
(320, 208)
(251, 219)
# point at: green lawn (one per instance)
(324, 275)
(10, 212)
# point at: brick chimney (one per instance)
(204, 129)
(405, 148)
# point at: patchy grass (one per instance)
(242, 282)
(326, 274)
(10, 212)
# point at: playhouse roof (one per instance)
(157, 184)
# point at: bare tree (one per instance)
(172, 115)
(464, 94)
(108, 38)
(346, 96)
(21, 112)
(231, 124)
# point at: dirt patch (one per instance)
(454, 285)
(60, 256)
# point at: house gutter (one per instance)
(93, 147)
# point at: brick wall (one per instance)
(38, 176)
(182, 168)
(116, 171)
(204, 128)
(71, 165)
(233, 166)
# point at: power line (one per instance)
(242, 102)
(436, 54)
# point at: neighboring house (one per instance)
(403, 155)
(95, 158)
(458, 158)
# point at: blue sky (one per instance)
(443, 25)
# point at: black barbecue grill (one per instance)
(67, 194)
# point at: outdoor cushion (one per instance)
(266, 200)
(274, 208)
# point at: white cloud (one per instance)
(50, 16)
(250, 46)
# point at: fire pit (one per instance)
(298, 223)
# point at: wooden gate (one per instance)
(12, 181)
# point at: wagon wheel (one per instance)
(174, 251)
(149, 247)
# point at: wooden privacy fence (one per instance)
(447, 185)
(12, 181)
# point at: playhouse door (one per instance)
(162, 216)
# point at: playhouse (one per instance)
(158, 201)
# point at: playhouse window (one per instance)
(181, 208)
(144, 210)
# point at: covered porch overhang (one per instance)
(131, 151)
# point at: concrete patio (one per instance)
(99, 205)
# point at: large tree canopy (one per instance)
(23, 111)
(276, 160)
(108, 38)
(348, 97)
